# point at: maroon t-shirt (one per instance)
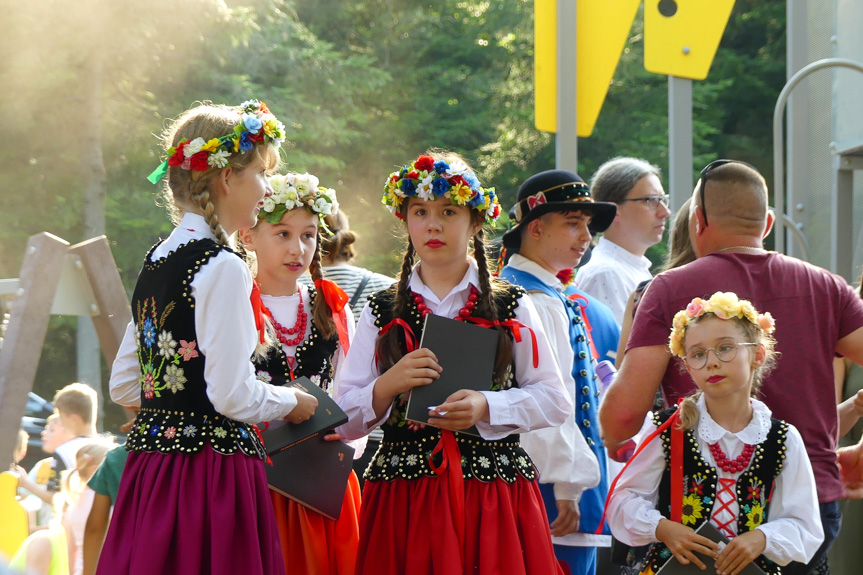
(813, 309)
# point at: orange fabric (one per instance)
(336, 299)
(315, 545)
(258, 310)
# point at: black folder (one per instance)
(675, 567)
(466, 352)
(305, 468)
(280, 434)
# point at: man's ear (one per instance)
(771, 219)
(534, 228)
(700, 227)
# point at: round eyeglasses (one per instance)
(696, 358)
(652, 202)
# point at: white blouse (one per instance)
(540, 401)
(226, 334)
(793, 530)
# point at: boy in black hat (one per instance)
(555, 217)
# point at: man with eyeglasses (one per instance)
(618, 264)
(818, 315)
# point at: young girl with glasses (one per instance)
(746, 473)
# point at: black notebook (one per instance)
(314, 473)
(675, 567)
(466, 352)
(281, 435)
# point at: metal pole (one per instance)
(778, 136)
(679, 140)
(566, 140)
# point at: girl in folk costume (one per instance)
(286, 242)
(194, 496)
(437, 501)
(730, 462)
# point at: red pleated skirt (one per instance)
(201, 514)
(315, 545)
(406, 526)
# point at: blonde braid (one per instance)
(201, 196)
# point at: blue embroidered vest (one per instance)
(586, 395)
(406, 447)
(176, 415)
(754, 487)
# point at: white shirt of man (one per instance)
(612, 274)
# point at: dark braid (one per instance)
(487, 308)
(387, 346)
(322, 314)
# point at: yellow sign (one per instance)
(602, 29)
(681, 37)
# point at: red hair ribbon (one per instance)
(576, 297)
(514, 326)
(336, 299)
(676, 467)
(451, 466)
(261, 437)
(410, 339)
(258, 310)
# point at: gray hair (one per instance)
(613, 180)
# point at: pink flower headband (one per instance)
(724, 305)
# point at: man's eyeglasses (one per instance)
(702, 180)
(696, 358)
(651, 201)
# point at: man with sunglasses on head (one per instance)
(818, 315)
(617, 264)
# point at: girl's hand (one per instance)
(740, 552)
(567, 518)
(419, 367)
(461, 410)
(305, 409)
(851, 470)
(684, 542)
(333, 437)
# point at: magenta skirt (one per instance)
(187, 514)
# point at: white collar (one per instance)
(614, 251)
(69, 450)
(471, 278)
(754, 433)
(524, 264)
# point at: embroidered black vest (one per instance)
(313, 358)
(407, 446)
(176, 415)
(754, 486)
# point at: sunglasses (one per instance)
(703, 180)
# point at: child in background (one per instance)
(193, 498)
(746, 473)
(286, 243)
(105, 483)
(477, 509)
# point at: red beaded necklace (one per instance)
(728, 465)
(299, 328)
(463, 313)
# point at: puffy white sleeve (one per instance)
(226, 332)
(631, 514)
(561, 453)
(356, 378)
(541, 400)
(793, 529)
(124, 385)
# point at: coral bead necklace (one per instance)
(732, 465)
(463, 313)
(299, 327)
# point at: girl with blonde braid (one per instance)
(746, 473)
(475, 508)
(313, 326)
(193, 496)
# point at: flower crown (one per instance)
(258, 125)
(293, 190)
(724, 305)
(428, 179)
